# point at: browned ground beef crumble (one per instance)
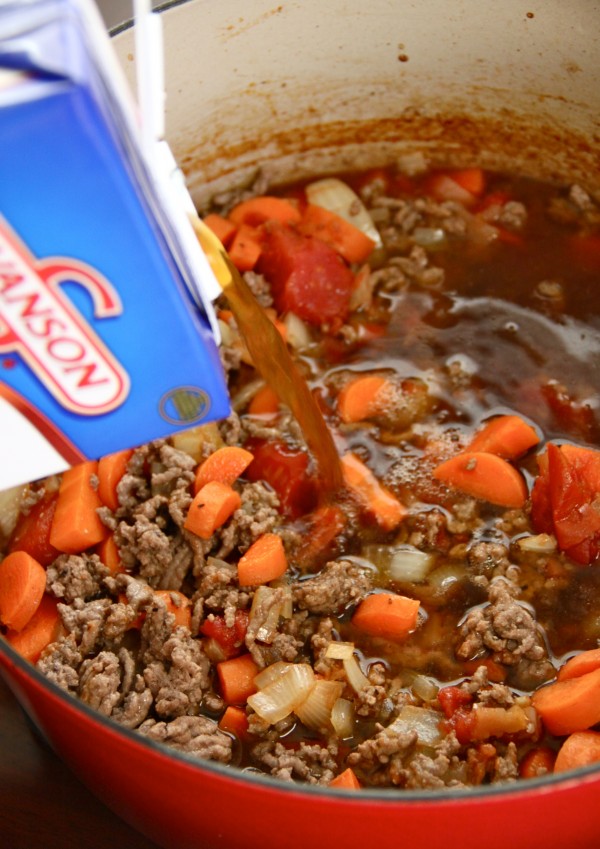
(495, 617)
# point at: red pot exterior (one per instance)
(184, 805)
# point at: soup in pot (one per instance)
(435, 620)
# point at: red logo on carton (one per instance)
(39, 322)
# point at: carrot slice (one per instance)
(211, 508)
(22, 586)
(236, 677)
(235, 721)
(42, 629)
(387, 615)
(346, 780)
(484, 476)
(256, 211)
(581, 664)
(178, 604)
(572, 705)
(471, 179)
(506, 436)
(245, 248)
(349, 241)
(538, 761)
(111, 469)
(108, 553)
(362, 398)
(225, 465)
(264, 403)
(223, 229)
(264, 561)
(579, 749)
(76, 524)
(384, 506)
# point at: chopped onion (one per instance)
(421, 685)
(410, 564)
(429, 238)
(424, 721)
(542, 543)
(227, 336)
(285, 694)
(10, 503)
(444, 578)
(242, 398)
(342, 718)
(401, 562)
(191, 441)
(356, 677)
(298, 334)
(271, 673)
(315, 711)
(338, 197)
(339, 650)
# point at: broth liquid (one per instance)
(272, 359)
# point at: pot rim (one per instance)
(9, 657)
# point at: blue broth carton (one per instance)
(107, 334)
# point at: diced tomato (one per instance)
(462, 723)
(230, 638)
(287, 471)
(32, 533)
(306, 275)
(566, 500)
(452, 698)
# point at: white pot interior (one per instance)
(502, 84)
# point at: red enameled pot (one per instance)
(309, 86)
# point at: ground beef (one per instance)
(194, 735)
(99, 682)
(507, 629)
(338, 585)
(308, 762)
(257, 515)
(382, 755)
(218, 591)
(176, 670)
(74, 576)
(60, 661)
(85, 622)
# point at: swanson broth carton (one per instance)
(107, 334)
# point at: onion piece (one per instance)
(271, 673)
(298, 334)
(421, 685)
(342, 718)
(338, 197)
(285, 694)
(430, 238)
(315, 710)
(339, 650)
(424, 721)
(10, 504)
(540, 544)
(193, 440)
(356, 677)
(403, 563)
